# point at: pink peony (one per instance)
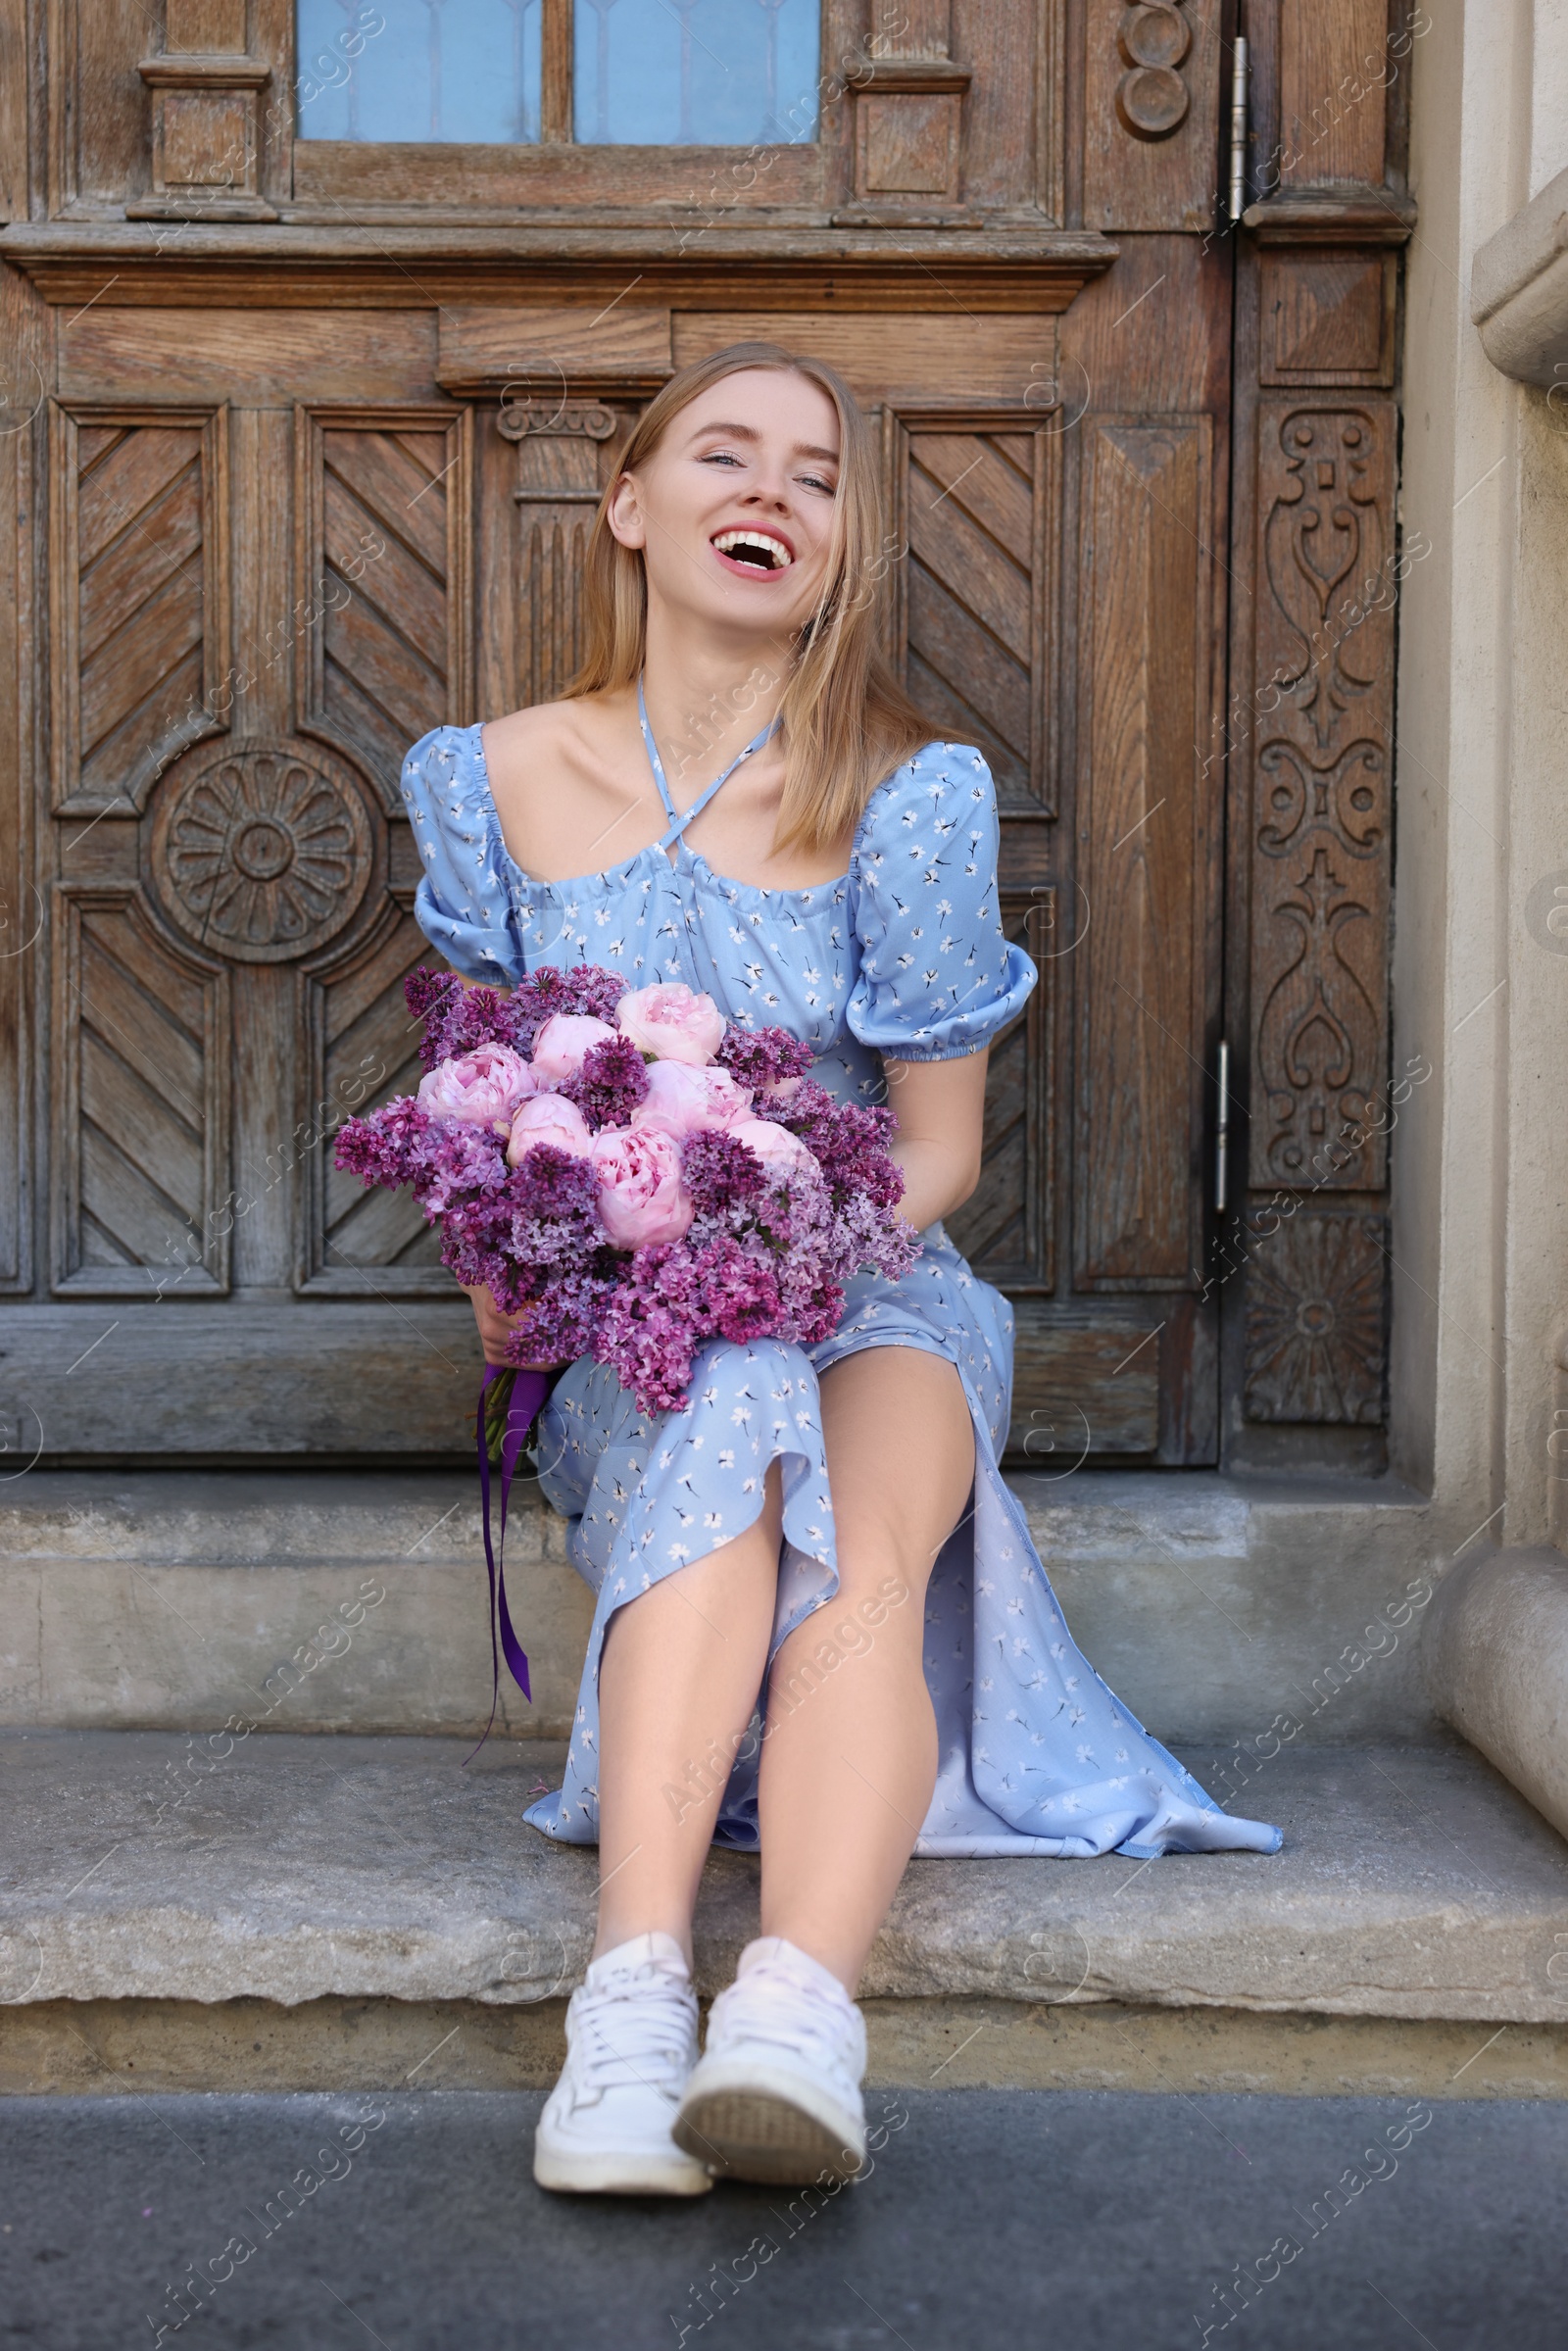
(672, 1023)
(480, 1088)
(641, 1197)
(780, 1091)
(559, 1047)
(680, 1098)
(780, 1152)
(547, 1119)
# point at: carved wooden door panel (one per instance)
(256, 608)
(297, 493)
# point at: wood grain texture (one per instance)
(1320, 823)
(697, 180)
(140, 1100)
(267, 627)
(362, 1048)
(384, 501)
(1145, 618)
(963, 271)
(1146, 67)
(23, 495)
(1334, 63)
(907, 145)
(1328, 317)
(97, 103)
(905, 355)
(198, 1378)
(975, 585)
(1005, 1227)
(1014, 108)
(1152, 334)
(1082, 1388)
(139, 594)
(484, 348)
(213, 25)
(311, 356)
(15, 94)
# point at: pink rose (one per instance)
(549, 1118)
(562, 1045)
(641, 1197)
(672, 1023)
(780, 1152)
(479, 1087)
(680, 1098)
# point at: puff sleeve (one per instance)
(463, 904)
(938, 979)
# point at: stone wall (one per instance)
(1481, 974)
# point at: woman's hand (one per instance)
(495, 1328)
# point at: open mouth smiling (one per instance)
(752, 551)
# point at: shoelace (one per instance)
(789, 2014)
(635, 2028)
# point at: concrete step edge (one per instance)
(111, 2047)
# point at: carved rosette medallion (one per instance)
(1152, 100)
(260, 851)
(1315, 1285)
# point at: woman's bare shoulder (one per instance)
(526, 734)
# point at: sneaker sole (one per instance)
(752, 2122)
(571, 2171)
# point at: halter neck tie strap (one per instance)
(679, 820)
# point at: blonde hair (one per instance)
(846, 721)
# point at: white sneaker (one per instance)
(631, 2041)
(776, 2095)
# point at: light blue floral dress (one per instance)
(904, 955)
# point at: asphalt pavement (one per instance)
(1080, 2221)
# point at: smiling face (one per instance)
(733, 512)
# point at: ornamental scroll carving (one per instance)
(1321, 728)
(1152, 98)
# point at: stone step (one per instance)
(177, 1600)
(277, 1911)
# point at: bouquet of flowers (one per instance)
(629, 1175)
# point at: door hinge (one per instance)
(1222, 1131)
(1238, 192)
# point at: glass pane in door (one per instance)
(409, 69)
(708, 72)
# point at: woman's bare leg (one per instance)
(680, 1673)
(850, 1755)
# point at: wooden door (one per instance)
(327, 392)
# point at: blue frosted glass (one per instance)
(404, 70)
(708, 72)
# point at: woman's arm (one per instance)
(939, 1107)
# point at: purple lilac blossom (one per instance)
(611, 1082)
(766, 1257)
(759, 1057)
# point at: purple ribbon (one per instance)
(529, 1391)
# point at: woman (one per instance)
(735, 794)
